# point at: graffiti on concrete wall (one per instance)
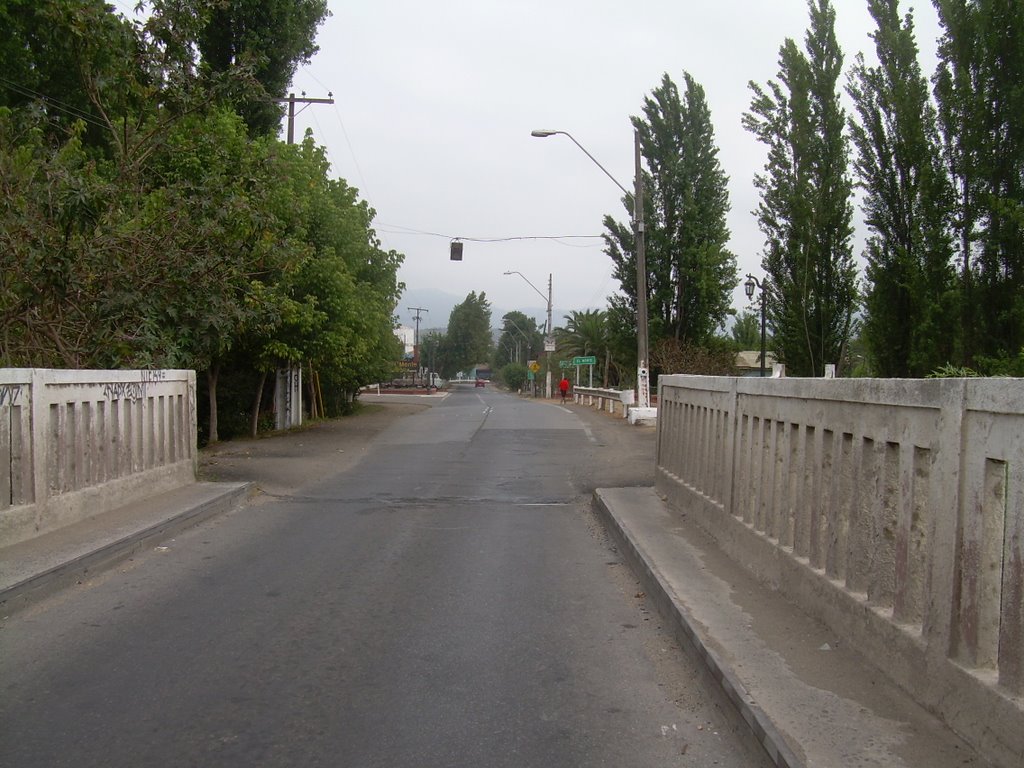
(132, 390)
(10, 394)
(124, 390)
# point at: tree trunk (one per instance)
(311, 388)
(211, 384)
(320, 396)
(254, 424)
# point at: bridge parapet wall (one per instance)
(606, 399)
(893, 510)
(75, 443)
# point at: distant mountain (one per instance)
(438, 303)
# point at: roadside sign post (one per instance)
(587, 360)
(533, 368)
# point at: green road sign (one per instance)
(565, 364)
(588, 360)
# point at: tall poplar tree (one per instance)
(269, 38)
(691, 272)
(468, 339)
(910, 324)
(805, 211)
(980, 103)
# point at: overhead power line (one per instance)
(51, 103)
(397, 229)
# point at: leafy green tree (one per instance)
(55, 302)
(213, 212)
(468, 340)
(333, 298)
(980, 100)
(691, 273)
(622, 346)
(521, 339)
(433, 349)
(746, 331)
(173, 239)
(514, 376)
(911, 320)
(269, 39)
(72, 61)
(805, 211)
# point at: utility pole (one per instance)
(292, 100)
(549, 340)
(416, 339)
(643, 383)
(293, 371)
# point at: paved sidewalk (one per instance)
(33, 569)
(39, 567)
(808, 697)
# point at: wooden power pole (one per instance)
(303, 99)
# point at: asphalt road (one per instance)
(446, 598)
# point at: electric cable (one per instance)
(398, 229)
(55, 104)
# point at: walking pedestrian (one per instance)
(563, 387)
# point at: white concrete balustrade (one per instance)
(893, 510)
(605, 399)
(78, 443)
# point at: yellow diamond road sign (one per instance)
(535, 366)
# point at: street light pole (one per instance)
(748, 288)
(529, 343)
(643, 382)
(416, 342)
(547, 330)
(643, 385)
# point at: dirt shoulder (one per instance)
(283, 461)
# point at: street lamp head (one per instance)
(541, 133)
(749, 285)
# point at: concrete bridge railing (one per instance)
(78, 443)
(893, 510)
(606, 399)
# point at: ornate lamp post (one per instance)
(749, 286)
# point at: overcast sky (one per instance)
(435, 103)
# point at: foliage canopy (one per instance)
(149, 225)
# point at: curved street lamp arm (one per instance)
(529, 341)
(513, 272)
(544, 133)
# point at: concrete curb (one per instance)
(687, 631)
(109, 554)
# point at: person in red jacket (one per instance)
(563, 387)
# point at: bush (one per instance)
(514, 376)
